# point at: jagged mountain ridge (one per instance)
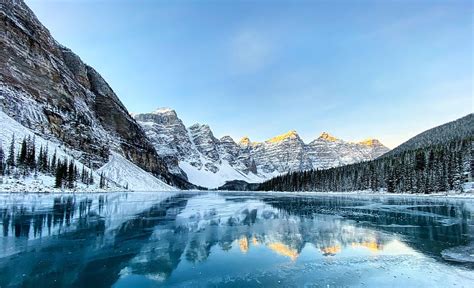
(48, 89)
(195, 152)
(437, 160)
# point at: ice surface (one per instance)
(176, 239)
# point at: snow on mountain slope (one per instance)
(127, 174)
(210, 162)
(209, 179)
(42, 182)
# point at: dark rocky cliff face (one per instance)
(47, 88)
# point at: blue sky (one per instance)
(357, 69)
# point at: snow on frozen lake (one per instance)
(238, 239)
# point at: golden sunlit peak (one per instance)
(284, 250)
(370, 142)
(245, 141)
(288, 135)
(328, 137)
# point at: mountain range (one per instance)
(197, 155)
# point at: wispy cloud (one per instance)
(250, 51)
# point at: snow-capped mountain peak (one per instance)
(370, 142)
(245, 141)
(228, 139)
(164, 110)
(328, 137)
(290, 135)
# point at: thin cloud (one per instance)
(250, 52)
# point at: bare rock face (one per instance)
(328, 151)
(170, 138)
(280, 154)
(204, 141)
(47, 88)
(195, 151)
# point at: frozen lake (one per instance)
(235, 240)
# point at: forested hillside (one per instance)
(426, 169)
(459, 129)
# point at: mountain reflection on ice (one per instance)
(231, 239)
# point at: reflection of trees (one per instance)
(18, 220)
(54, 262)
(81, 256)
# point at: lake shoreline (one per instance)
(363, 193)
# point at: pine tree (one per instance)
(59, 176)
(2, 160)
(44, 161)
(22, 155)
(11, 154)
(40, 159)
(102, 183)
(31, 153)
(70, 174)
(91, 178)
(52, 166)
(420, 161)
(83, 175)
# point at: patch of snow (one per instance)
(209, 179)
(162, 110)
(124, 172)
(468, 187)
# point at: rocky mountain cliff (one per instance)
(195, 152)
(48, 89)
